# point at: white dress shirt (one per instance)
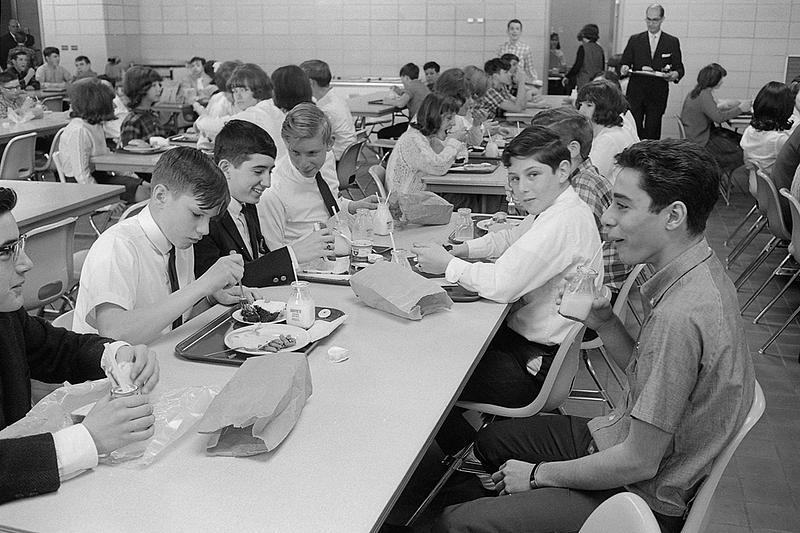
(607, 143)
(79, 143)
(654, 38)
(342, 124)
(532, 260)
(127, 266)
(235, 210)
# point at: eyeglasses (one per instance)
(12, 250)
(657, 19)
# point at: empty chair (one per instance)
(346, 168)
(50, 249)
(18, 158)
(626, 512)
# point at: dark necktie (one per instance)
(251, 217)
(173, 282)
(327, 195)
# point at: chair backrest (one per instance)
(65, 320)
(557, 384)
(378, 174)
(769, 195)
(18, 158)
(681, 127)
(54, 103)
(698, 516)
(133, 210)
(626, 512)
(794, 208)
(53, 150)
(346, 167)
(620, 305)
(50, 248)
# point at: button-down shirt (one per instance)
(235, 210)
(342, 124)
(140, 124)
(690, 374)
(490, 102)
(523, 52)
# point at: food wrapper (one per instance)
(259, 406)
(425, 208)
(399, 291)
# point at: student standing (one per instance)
(519, 49)
(334, 107)
(589, 60)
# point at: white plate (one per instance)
(143, 149)
(487, 223)
(268, 306)
(247, 339)
(651, 73)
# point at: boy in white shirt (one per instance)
(52, 75)
(138, 280)
(335, 108)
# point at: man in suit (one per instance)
(246, 155)
(658, 52)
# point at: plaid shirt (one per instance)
(490, 102)
(595, 190)
(140, 124)
(523, 52)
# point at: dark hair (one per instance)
(185, 170)
(591, 32)
(569, 124)
(773, 107)
(48, 50)
(496, 65)
(510, 57)
(137, 82)
(657, 6)
(709, 76)
(223, 74)
(202, 60)
(608, 75)
(290, 86)
(512, 21)
(609, 102)
(794, 86)
(251, 76)
(8, 199)
(433, 108)
(7, 76)
(477, 81)
(84, 59)
(676, 170)
(92, 100)
(615, 63)
(239, 139)
(452, 82)
(411, 70)
(432, 64)
(317, 70)
(18, 51)
(208, 68)
(558, 39)
(539, 142)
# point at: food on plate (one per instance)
(500, 217)
(277, 344)
(138, 143)
(255, 313)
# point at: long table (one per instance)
(49, 123)
(41, 203)
(361, 106)
(359, 438)
(125, 162)
(463, 183)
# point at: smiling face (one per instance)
(20, 62)
(535, 184)
(308, 155)
(248, 181)
(514, 31)
(153, 94)
(12, 271)
(179, 216)
(196, 68)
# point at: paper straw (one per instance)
(597, 253)
(391, 236)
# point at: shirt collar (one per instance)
(235, 208)
(656, 287)
(153, 232)
(655, 36)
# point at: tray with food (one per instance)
(185, 138)
(261, 312)
(485, 167)
(499, 221)
(653, 73)
(138, 146)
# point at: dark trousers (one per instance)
(648, 101)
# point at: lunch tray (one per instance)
(482, 170)
(344, 278)
(208, 343)
(457, 293)
(477, 217)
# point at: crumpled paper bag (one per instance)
(425, 208)
(399, 291)
(259, 406)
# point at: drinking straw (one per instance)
(391, 236)
(597, 253)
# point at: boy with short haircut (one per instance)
(196, 79)
(334, 107)
(410, 96)
(498, 97)
(138, 280)
(431, 69)
(305, 187)
(19, 65)
(246, 155)
(83, 68)
(51, 75)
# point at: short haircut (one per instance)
(185, 170)
(512, 21)
(590, 32)
(251, 76)
(432, 64)
(434, 107)
(477, 81)
(495, 65)
(608, 75)
(14, 53)
(609, 102)
(659, 7)
(84, 59)
(49, 50)
(317, 70)
(709, 76)
(569, 124)
(411, 70)
(8, 199)
(290, 86)
(202, 60)
(223, 74)
(137, 81)
(510, 57)
(92, 100)
(305, 121)
(453, 82)
(676, 170)
(773, 107)
(538, 142)
(239, 139)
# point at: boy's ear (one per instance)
(574, 148)
(159, 195)
(225, 166)
(677, 213)
(563, 171)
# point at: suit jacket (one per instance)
(271, 268)
(637, 55)
(31, 347)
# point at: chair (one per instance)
(18, 158)
(64, 320)
(50, 249)
(347, 166)
(378, 174)
(626, 512)
(754, 230)
(50, 164)
(681, 127)
(54, 103)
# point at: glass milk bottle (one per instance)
(579, 294)
(464, 229)
(382, 223)
(362, 239)
(300, 308)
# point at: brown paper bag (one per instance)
(425, 208)
(399, 291)
(259, 406)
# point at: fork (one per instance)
(244, 301)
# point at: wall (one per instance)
(567, 17)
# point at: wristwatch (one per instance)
(534, 485)
(448, 247)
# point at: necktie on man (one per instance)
(327, 195)
(174, 285)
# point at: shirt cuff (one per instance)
(455, 269)
(75, 451)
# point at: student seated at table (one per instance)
(138, 279)
(83, 68)
(246, 155)
(478, 82)
(30, 347)
(425, 148)
(455, 83)
(513, 62)
(603, 104)
(305, 187)
(498, 97)
(410, 96)
(557, 236)
(143, 89)
(11, 96)
(219, 109)
(51, 75)
(628, 122)
(334, 107)
(431, 70)
(688, 367)
(92, 103)
(19, 64)
(196, 78)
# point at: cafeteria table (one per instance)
(40, 203)
(482, 184)
(361, 106)
(49, 123)
(362, 433)
(126, 162)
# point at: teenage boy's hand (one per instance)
(115, 423)
(513, 476)
(600, 313)
(431, 257)
(227, 271)
(313, 245)
(145, 365)
(370, 202)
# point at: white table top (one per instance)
(459, 182)
(49, 123)
(357, 442)
(360, 106)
